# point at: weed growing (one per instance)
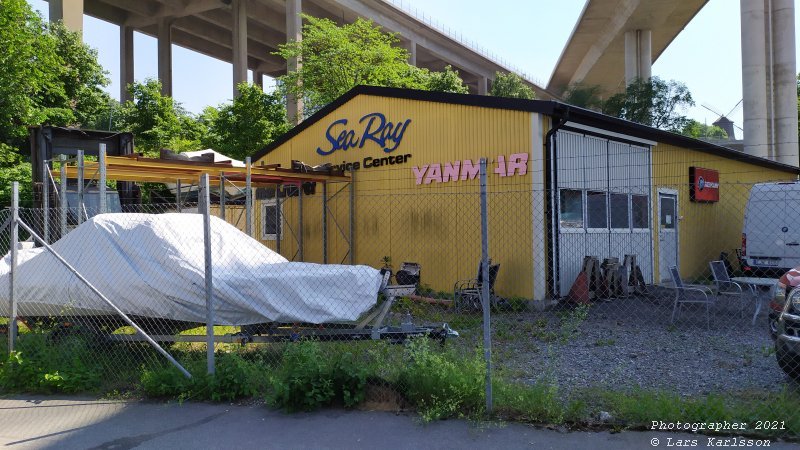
(442, 384)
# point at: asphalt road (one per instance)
(75, 423)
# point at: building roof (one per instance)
(547, 107)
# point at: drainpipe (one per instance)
(552, 182)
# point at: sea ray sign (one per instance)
(703, 185)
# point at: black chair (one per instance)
(467, 293)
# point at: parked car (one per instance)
(784, 314)
(771, 234)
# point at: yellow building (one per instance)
(563, 183)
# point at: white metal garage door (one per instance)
(604, 205)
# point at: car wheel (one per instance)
(773, 327)
(788, 362)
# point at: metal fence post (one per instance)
(62, 194)
(80, 187)
(485, 300)
(352, 216)
(300, 220)
(205, 201)
(101, 184)
(46, 199)
(248, 199)
(12, 315)
(324, 223)
(222, 196)
(178, 195)
(278, 218)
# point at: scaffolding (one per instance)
(244, 180)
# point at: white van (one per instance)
(771, 235)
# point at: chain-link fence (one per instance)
(623, 301)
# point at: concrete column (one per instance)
(68, 11)
(239, 33)
(645, 54)
(125, 61)
(638, 55)
(411, 46)
(483, 86)
(784, 70)
(165, 55)
(754, 78)
(258, 78)
(294, 32)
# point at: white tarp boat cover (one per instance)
(153, 266)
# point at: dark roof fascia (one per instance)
(484, 101)
(546, 107)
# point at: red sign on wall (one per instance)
(704, 185)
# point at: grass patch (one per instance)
(440, 382)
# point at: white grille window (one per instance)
(271, 220)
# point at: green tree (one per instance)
(447, 80)
(653, 102)
(251, 121)
(511, 85)
(698, 130)
(154, 119)
(82, 76)
(337, 58)
(47, 76)
(584, 96)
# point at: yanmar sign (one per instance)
(703, 185)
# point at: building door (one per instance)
(667, 233)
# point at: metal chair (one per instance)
(683, 295)
(725, 286)
(467, 293)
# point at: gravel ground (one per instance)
(630, 343)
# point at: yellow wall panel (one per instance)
(706, 229)
(434, 224)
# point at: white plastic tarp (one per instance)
(153, 266)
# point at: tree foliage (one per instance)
(251, 121)
(336, 58)
(511, 85)
(47, 76)
(157, 121)
(584, 96)
(699, 130)
(653, 102)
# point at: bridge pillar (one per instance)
(294, 32)
(239, 36)
(68, 11)
(125, 61)
(165, 55)
(638, 55)
(768, 80)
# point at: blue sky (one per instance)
(528, 35)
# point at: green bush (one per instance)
(234, 378)
(310, 378)
(40, 365)
(441, 384)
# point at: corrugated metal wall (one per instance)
(597, 167)
(434, 224)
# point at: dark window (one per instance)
(640, 210)
(596, 209)
(571, 208)
(618, 208)
(269, 221)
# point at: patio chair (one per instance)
(690, 294)
(467, 293)
(725, 286)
